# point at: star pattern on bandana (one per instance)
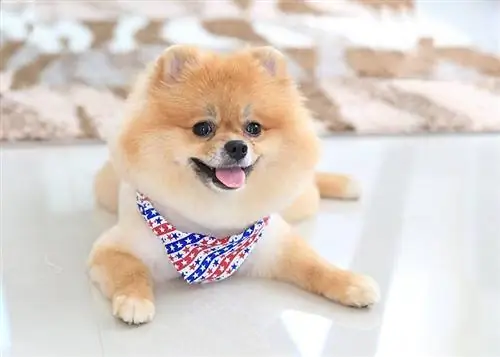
(197, 257)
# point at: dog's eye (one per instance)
(253, 129)
(203, 128)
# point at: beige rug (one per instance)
(66, 65)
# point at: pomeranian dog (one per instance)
(215, 158)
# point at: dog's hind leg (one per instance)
(327, 185)
(106, 186)
(337, 186)
(304, 206)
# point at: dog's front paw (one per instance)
(133, 310)
(362, 291)
(354, 290)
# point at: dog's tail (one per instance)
(332, 185)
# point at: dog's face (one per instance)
(221, 139)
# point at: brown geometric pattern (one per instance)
(66, 66)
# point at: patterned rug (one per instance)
(364, 65)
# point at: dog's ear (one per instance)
(272, 60)
(175, 60)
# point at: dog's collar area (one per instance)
(197, 257)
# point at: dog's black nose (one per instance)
(236, 149)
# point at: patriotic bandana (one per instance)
(197, 257)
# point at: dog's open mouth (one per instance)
(228, 178)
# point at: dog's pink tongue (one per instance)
(233, 177)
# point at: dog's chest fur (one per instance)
(137, 238)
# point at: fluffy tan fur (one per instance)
(305, 205)
(151, 153)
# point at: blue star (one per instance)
(197, 261)
(179, 255)
(158, 220)
(247, 250)
(216, 262)
(234, 266)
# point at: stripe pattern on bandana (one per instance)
(200, 258)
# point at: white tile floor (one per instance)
(427, 229)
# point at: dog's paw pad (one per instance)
(363, 291)
(133, 310)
